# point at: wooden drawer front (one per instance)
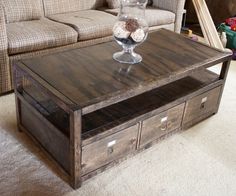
(161, 124)
(201, 106)
(108, 149)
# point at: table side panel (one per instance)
(49, 137)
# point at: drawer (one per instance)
(161, 124)
(109, 149)
(201, 106)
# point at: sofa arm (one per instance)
(175, 6)
(5, 72)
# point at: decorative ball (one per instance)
(138, 35)
(132, 25)
(120, 30)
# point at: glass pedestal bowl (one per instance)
(130, 30)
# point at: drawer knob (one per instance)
(164, 123)
(203, 103)
(110, 150)
(110, 145)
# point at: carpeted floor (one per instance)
(197, 162)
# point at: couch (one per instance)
(38, 27)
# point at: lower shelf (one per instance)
(109, 117)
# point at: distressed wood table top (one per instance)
(91, 79)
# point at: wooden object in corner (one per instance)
(207, 24)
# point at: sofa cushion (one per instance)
(35, 35)
(64, 6)
(89, 24)
(22, 10)
(154, 16)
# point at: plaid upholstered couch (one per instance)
(38, 27)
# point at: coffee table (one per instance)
(89, 112)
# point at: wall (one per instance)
(219, 9)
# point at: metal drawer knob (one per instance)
(203, 103)
(164, 123)
(110, 148)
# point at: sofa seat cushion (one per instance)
(154, 16)
(38, 34)
(89, 24)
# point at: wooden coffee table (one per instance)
(89, 112)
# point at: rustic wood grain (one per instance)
(131, 154)
(75, 103)
(49, 137)
(61, 100)
(92, 79)
(224, 70)
(223, 76)
(75, 148)
(108, 149)
(99, 122)
(47, 108)
(17, 84)
(205, 103)
(161, 124)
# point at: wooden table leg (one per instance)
(75, 148)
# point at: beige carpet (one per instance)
(200, 161)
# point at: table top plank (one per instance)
(92, 79)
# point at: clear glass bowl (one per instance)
(130, 30)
